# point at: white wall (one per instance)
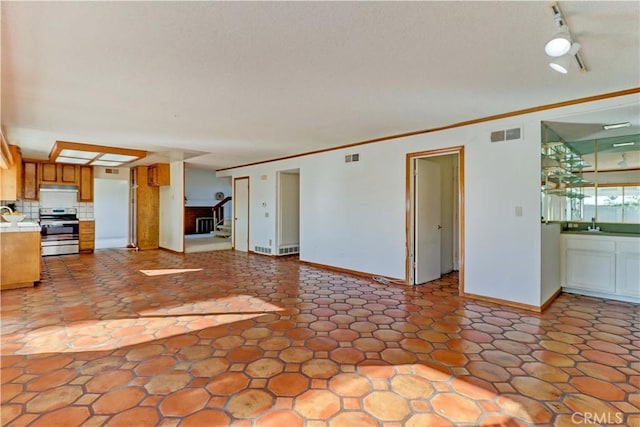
(172, 210)
(550, 263)
(352, 215)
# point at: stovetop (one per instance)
(58, 214)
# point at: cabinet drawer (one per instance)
(598, 245)
(86, 226)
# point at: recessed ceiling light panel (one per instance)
(99, 155)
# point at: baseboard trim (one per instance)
(171, 250)
(345, 270)
(258, 253)
(504, 302)
(551, 299)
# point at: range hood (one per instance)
(58, 187)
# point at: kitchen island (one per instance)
(20, 260)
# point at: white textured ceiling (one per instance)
(228, 83)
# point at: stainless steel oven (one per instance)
(59, 230)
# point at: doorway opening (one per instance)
(435, 215)
(111, 212)
(288, 213)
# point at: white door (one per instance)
(427, 226)
(241, 214)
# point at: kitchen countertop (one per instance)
(599, 233)
(23, 226)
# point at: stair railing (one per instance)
(218, 212)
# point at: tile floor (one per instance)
(125, 338)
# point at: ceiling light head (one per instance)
(559, 45)
(561, 64)
(616, 125)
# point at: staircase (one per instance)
(222, 229)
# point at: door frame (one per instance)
(235, 211)
(410, 157)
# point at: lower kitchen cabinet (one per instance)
(19, 259)
(86, 235)
(601, 266)
(628, 268)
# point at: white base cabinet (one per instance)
(601, 266)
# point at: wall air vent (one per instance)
(287, 250)
(112, 171)
(512, 134)
(262, 250)
(352, 158)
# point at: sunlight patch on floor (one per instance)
(163, 271)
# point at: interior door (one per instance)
(427, 201)
(241, 214)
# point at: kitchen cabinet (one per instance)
(85, 187)
(601, 265)
(30, 180)
(19, 259)
(158, 174)
(86, 235)
(628, 267)
(58, 173)
(145, 210)
(11, 178)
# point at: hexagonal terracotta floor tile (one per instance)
(184, 402)
(412, 386)
(280, 418)
(386, 406)
(353, 419)
(264, 368)
(317, 404)
(319, 368)
(228, 383)
(351, 385)
(288, 384)
(458, 409)
(249, 403)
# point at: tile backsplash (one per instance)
(31, 209)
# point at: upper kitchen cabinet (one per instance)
(85, 187)
(58, 173)
(30, 180)
(158, 174)
(11, 173)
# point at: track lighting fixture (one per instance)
(562, 46)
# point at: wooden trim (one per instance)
(453, 125)
(62, 145)
(171, 250)
(459, 150)
(504, 302)
(260, 253)
(551, 299)
(461, 221)
(626, 184)
(345, 270)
